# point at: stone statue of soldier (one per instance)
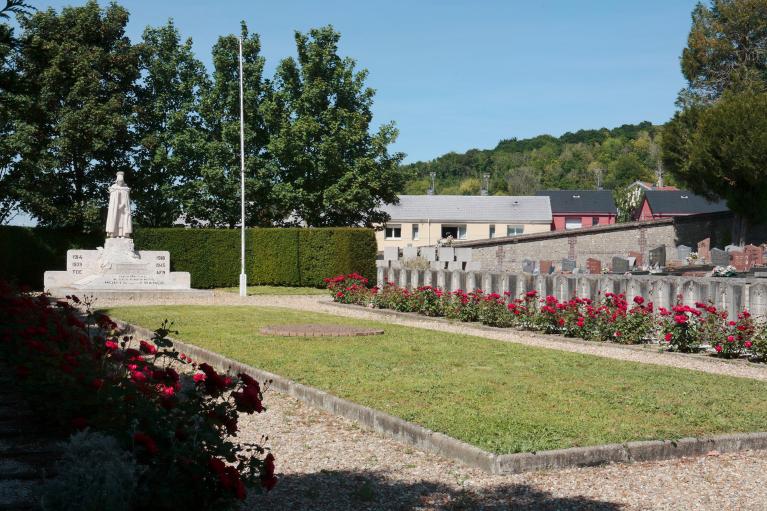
(119, 215)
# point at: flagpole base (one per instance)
(243, 284)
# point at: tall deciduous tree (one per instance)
(331, 169)
(170, 135)
(10, 90)
(216, 195)
(79, 69)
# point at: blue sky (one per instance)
(456, 75)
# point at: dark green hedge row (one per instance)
(282, 257)
(25, 253)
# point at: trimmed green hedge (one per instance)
(282, 257)
(26, 252)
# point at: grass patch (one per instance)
(499, 396)
(276, 290)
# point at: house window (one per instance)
(514, 230)
(595, 220)
(393, 232)
(573, 222)
(416, 234)
(458, 232)
(491, 232)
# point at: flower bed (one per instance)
(174, 419)
(611, 318)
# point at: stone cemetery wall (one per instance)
(602, 243)
(731, 294)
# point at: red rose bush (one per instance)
(610, 318)
(176, 418)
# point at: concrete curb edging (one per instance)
(441, 444)
(642, 348)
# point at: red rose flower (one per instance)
(147, 442)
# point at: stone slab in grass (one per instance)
(315, 330)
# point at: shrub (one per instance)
(179, 427)
(93, 473)
(26, 253)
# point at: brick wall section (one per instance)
(606, 241)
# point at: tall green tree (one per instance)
(78, 68)
(725, 64)
(726, 49)
(171, 137)
(10, 90)
(331, 168)
(724, 154)
(215, 197)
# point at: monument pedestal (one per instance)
(117, 268)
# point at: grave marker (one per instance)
(704, 249)
(682, 251)
(620, 264)
(594, 266)
(658, 256)
(719, 257)
(738, 260)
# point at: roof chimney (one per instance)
(485, 184)
(432, 187)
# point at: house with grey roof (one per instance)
(671, 203)
(423, 220)
(573, 209)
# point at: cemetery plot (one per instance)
(499, 396)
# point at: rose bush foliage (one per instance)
(610, 318)
(177, 419)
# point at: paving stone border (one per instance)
(438, 443)
(315, 330)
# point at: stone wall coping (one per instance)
(438, 443)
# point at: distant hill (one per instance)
(616, 157)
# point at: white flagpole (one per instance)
(243, 276)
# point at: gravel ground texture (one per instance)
(330, 463)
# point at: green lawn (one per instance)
(499, 396)
(277, 290)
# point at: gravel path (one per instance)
(647, 355)
(330, 463)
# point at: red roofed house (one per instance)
(573, 209)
